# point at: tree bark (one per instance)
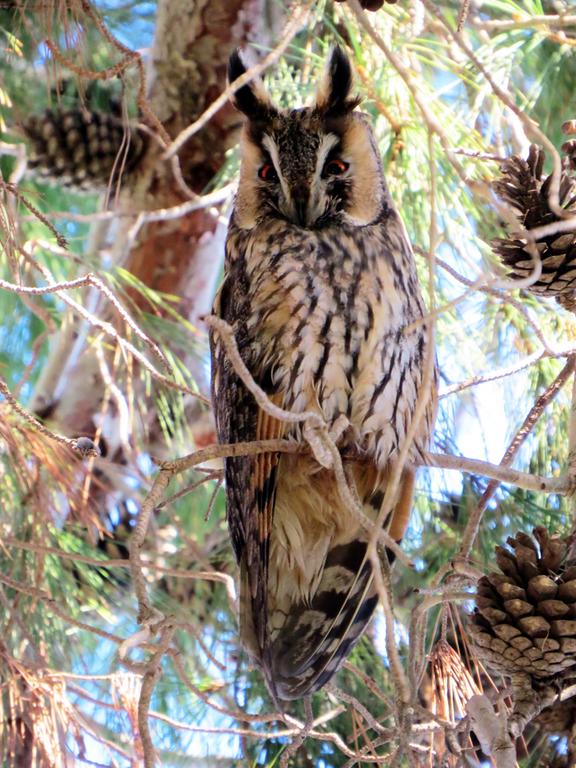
(180, 257)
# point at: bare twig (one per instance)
(300, 737)
(463, 15)
(53, 607)
(217, 576)
(129, 58)
(504, 25)
(472, 527)
(88, 280)
(60, 239)
(106, 327)
(321, 441)
(499, 373)
(359, 707)
(151, 677)
(502, 474)
(71, 443)
(147, 615)
(408, 78)
(292, 28)
(212, 475)
(501, 296)
(529, 124)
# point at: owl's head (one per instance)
(316, 166)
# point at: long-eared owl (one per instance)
(321, 291)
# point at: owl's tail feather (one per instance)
(319, 635)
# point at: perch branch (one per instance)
(315, 432)
(502, 474)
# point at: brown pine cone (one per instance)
(81, 149)
(523, 188)
(524, 625)
(525, 619)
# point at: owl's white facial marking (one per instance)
(326, 144)
(319, 201)
(270, 146)
(303, 198)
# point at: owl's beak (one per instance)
(300, 200)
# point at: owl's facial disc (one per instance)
(304, 177)
(314, 167)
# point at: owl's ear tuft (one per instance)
(333, 96)
(252, 98)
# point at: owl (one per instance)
(321, 292)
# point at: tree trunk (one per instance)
(181, 256)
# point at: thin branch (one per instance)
(226, 335)
(322, 442)
(504, 25)
(473, 525)
(529, 124)
(359, 707)
(501, 296)
(300, 737)
(212, 475)
(383, 582)
(151, 677)
(463, 15)
(260, 735)
(86, 281)
(413, 87)
(60, 239)
(129, 58)
(52, 606)
(529, 481)
(218, 576)
(571, 469)
(78, 445)
(500, 373)
(561, 485)
(292, 28)
(104, 326)
(147, 615)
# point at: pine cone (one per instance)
(81, 149)
(525, 619)
(524, 625)
(524, 189)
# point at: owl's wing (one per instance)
(250, 480)
(320, 632)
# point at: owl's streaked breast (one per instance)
(329, 321)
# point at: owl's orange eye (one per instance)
(335, 167)
(267, 172)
